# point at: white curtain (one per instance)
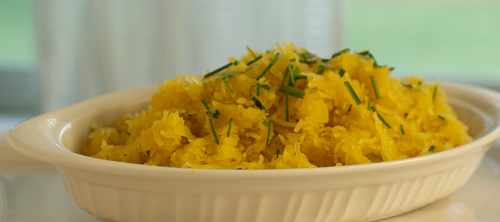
(91, 47)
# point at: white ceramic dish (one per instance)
(114, 191)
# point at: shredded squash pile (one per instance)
(285, 108)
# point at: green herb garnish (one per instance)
(325, 60)
(349, 110)
(368, 55)
(352, 92)
(435, 93)
(276, 57)
(369, 103)
(247, 70)
(341, 72)
(432, 148)
(288, 70)
(292, 91)
(300, 77)
(292, 79)
(258, 103)
(268, 124)
(258, 89)
(297, 71)
(278, 152)
(322, 68)
(407, 85)
(304, 59)
(213, 130)
(148, 152)
(338, 53)
(226, 80)
(382, 119)
(218, 70)
(251, 52)
(402, 130)
(441, 117)
(254, 60)
(375, 89)
(213, 113)
(205, 104)
(229, 128)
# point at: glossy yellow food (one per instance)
(381, 119)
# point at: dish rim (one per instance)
(79, 161)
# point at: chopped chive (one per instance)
(322, 68)
(287, 112)
(218, 70)
(266, 87)
(292, 91)
(296, 72)
(205, 104)
(383, 120)
(402, 130)
(246, 107)
(341, 72)
(369, 103)
(231, 74)
(349, 110)
(374, 84)
(352, 92)
(213, 130)
(325, 60)
(254, 60)
(311, 62)
(391, 68)
(278, 152)
(251, 52)
(292, 60)
(338, 53)
(378, 156)
(235, 62)
(435, 93)
(292, 79)
(213, 113)
(373, 109)
(368, 55)
(432, 148)
(407, 85)
(288, 70)
(300, 77)
(258, 89)
(310, 54)
(229, 127)
(441, 117)
(276, 57)
(258, 103)
(226, 80)
(148, 152)
(247, 70)
(268, 124)
(303, 58)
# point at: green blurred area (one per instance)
(17, 33)
(455, 40)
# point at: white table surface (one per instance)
(33, 191)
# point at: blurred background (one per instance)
(54, 53)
